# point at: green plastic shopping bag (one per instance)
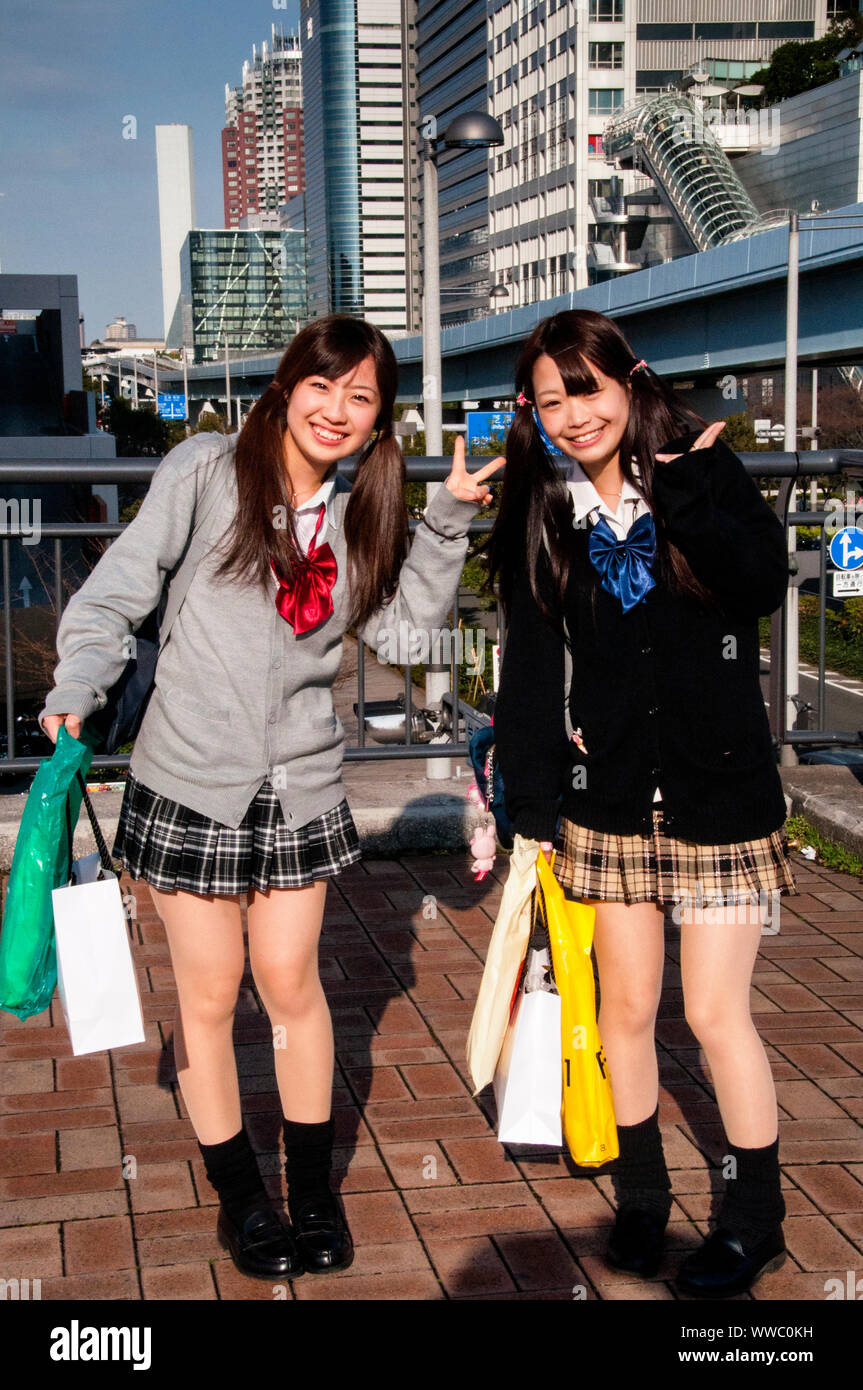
(41, 862)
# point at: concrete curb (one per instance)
(831, 799)
(443, 823)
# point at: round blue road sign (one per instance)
(846, 548)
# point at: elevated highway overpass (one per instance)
(698, 318)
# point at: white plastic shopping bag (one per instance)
(96, 977)
(528, 1079)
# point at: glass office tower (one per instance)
(328, 34)
(246, 286)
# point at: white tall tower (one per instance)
(176, 184)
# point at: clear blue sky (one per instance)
(78, 199)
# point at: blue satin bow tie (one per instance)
(625, 565)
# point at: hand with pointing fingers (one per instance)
(470, 487)
(705, 440)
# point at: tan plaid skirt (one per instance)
(660, 868)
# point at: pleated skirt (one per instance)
(661, 868)
(173, 847)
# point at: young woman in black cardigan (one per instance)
(653, 561)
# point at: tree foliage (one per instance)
(798, 67)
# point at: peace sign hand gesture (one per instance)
(470, 487)
(705, 440)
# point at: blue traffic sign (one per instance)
(482, 425)
(172, 407)
(846, 548)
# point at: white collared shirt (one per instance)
(586, 501)
(307, 515)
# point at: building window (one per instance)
(725, 31)
(656, 79)
(557, 275)
(791, 29)
(594, 147)
(606, 9)
(601, 101)
(605, 55)
(662, 31)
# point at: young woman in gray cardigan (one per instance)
(235, 779)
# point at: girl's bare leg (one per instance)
(205, 937)
(284, 930)
(629, 940)
(716, 963)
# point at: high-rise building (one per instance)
(246, 287)
(175, 176)
(452, 79)
(361, 166)
(557, 73)
(121, 331)
(262, 140)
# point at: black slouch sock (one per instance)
(640, 1178)
(233, 1170)
(753, 1205)
(308, 1159)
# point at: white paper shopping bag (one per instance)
(96, 976)
(528, 1085)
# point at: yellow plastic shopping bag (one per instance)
(588, 1108)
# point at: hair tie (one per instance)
(639, 367)
(521, 399)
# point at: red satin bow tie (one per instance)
(307, 600)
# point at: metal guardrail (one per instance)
(787, 468)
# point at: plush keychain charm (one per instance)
(484, 839)
(483, 846)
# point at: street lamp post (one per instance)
(471, 130)
(792, 630)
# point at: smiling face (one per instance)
(328, 420)
(587, 427)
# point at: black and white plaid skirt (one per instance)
(661, 868)
(171, 846)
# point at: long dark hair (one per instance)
(534, 502)
(376, 521)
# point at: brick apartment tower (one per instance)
(263, 161)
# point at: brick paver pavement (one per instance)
(438, 1209)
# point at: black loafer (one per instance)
(720, 1268)
(261, 1245)
(322, 1235)
(637, 1241)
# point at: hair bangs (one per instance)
(333, 353)
(575, 370)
